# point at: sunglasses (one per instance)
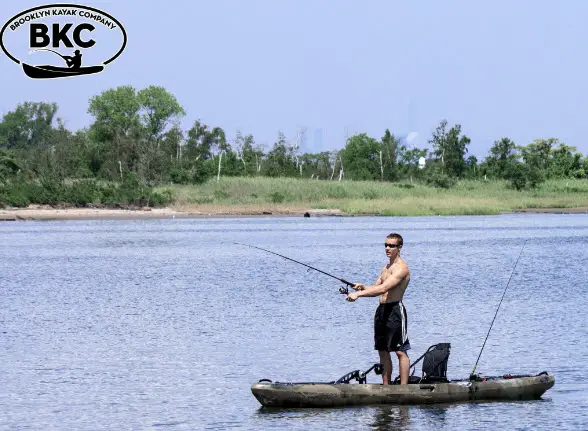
(391, 245)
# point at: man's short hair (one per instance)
(397, 237)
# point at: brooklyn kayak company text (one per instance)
(62, 12)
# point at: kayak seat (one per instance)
(434, 369)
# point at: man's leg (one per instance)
(403, 366)
(386, 362)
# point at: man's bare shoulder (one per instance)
(400, 267)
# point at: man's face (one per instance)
(391, 245)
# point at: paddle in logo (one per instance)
(62, 40)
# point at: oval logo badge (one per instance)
(62, 40)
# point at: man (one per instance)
(390, 320)
(75, 61)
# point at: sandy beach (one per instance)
(40, 212)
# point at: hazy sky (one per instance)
(513, 68)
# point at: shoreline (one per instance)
(45, 213)
(49, 214)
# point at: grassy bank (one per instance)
(468, 197)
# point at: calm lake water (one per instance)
(165, 324)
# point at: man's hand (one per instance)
(352, 297)
(358, 286)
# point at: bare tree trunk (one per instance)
(220, 157)
(333, 173)
(381, 167)
(240, 154)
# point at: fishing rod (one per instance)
(342, 289)
(472, 375)
(50, 50)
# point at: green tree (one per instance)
(538, 153)
(203, 143)
(158, 107)
(564, 161)
(8, 165)
(471, 167)
(450, 146)
(245, 154)
(390, 156)
(30, 125)
(116, 113)
(408, 160)
(361, 158)
(502, 158)
(117, 128)
(280, 161)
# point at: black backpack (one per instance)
(434, 365)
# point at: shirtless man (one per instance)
(390, 320)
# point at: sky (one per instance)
(500, 68)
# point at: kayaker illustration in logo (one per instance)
(60, 35)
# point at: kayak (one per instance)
(333, 394)
(47, 71)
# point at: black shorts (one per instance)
(390, 325)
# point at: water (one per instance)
(165, 324)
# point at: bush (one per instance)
(82, 193)
(441, 180)
(518, 177)
(522, 176)
(202, 172)
(180, 176)
(535, 177)
(277, 197)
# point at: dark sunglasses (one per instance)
(390, 245)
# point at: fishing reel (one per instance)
(344, 290)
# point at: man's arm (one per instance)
(391, 282)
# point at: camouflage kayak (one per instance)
(332, 394)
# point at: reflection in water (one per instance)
(381, 417)
(436, 413)
(391, 417)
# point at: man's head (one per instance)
(393, 245)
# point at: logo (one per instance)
(62, 40)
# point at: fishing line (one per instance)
(475, 366)
(342, 290)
